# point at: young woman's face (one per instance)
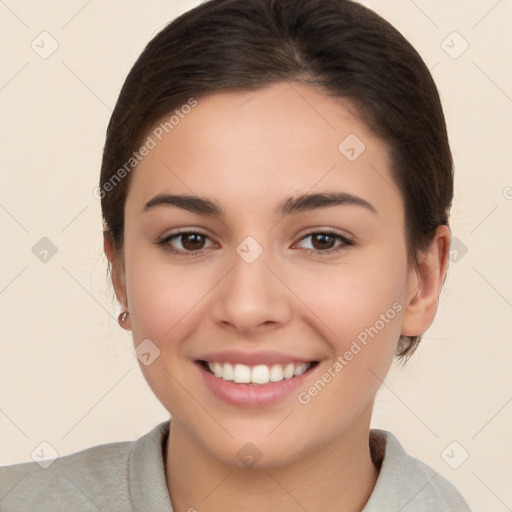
(271, 279)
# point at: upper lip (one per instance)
(252, 358)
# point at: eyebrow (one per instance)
(292, 205)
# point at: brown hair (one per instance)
(339, 46)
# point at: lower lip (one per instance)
(251, 395)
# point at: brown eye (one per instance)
(324, 242)
(321, 241)
(192, 241)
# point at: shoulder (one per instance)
(405, 483)
(83, 479)
(97, 478)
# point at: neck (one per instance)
(337, 476)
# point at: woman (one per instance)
(275, 187)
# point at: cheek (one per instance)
(360, 308)
(161, 295)
(161, 300)
(351, 298)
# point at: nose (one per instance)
(253, 297)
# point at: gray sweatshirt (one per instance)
(129, 477)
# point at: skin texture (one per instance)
(249, 151)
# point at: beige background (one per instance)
(67, 372)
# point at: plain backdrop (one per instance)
(68, 375)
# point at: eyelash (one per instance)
(164, 243)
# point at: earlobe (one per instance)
(425, 282)
(117, 273)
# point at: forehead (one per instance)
(253, 145)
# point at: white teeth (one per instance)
(300, 369)
(276, 373)
(217, 370)
(242, 374)
(228, 372)
(259, 374)
(288, 371)
(222, 370)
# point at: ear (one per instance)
(118, 277)
(425, 282)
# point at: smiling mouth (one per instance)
(259, 375)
